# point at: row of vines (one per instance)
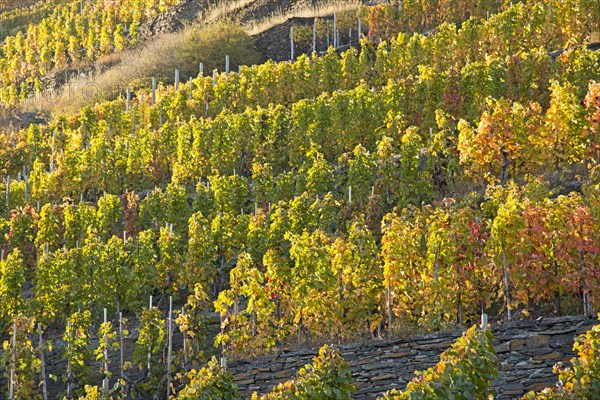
(75, 32)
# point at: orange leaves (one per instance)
(502, 145)
(592, 105)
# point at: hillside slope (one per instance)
(405, 185)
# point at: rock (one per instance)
(536, 386)
(516, 344)
(502, 348)
(537, 341)
(173, 19)
(549, 356)
(384, 377)
(526, 350)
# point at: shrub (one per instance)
(327, 378)
(465, 371)
(582, 380)
(210, 383)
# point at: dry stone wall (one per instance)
(527, 351)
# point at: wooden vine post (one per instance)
(69, 366)
(584, 289)
(149, 346)
(153, 90)
(292, 43)
(11, 384)
(170, 349)
(314, 38)
(484, 322)
(41, 346)
(8, 192)
(105, 381)
(122, 350)
(26, 179)
(506, 286)
(335, 37)
(389, 307)
(185, 361)
(359, 26)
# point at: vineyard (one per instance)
(444, 168)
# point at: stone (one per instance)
(432, 346)
(516, 344)
(502, 348)
(536, 386)
(526, 350)
(549, 356)
(562, 340)
(511, 394)
(537, 341)
(245, 375)
(513, 387)
(399, 354)
(284, 374)
(505, 366)
(538, 351)
(264, 376)
(383, 377)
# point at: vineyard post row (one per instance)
(336, 45)
(103, 347)
(336, 35)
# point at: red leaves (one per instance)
(272, 294)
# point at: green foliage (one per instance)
(20, 356)
(12, 279)
(201, 257)
(144, 255)
(471, 138)
(328, 378)
(465, 371)
(319, 176)
(168, 267)
(69, 34)
(253, 324)
(230, 192)
(49, 227)
(58, 288)
(210, 382)
(107, 341)
(109, 215)
(78, 351)
(149, 346)
(194, 324)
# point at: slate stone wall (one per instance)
(527, 351)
